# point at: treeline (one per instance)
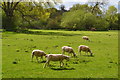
(79, 17)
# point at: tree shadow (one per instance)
(46, 33)
(61, 68)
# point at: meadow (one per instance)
(17, 48)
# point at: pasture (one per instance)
(17, 48)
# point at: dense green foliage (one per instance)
(81, 20)
(82, 17)
(79, 17)
(112, 17)
(17, 48)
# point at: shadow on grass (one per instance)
(88, 55)
(43, 61)
(38, 61)
(46, 33)
(61, 68)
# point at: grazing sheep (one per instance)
(38, 53)
(56, 57)
(85, 49)
(69, 50)
(86, 38)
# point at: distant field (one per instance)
(17, 47)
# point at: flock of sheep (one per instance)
(61, 57)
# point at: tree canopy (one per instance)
(25, 15)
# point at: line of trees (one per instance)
(26, 15)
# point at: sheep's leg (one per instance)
(47, 63)
(63, 52)
(86, 53)
(42, 58)
(32, 57)
(90, 54)
(80, 52)
(37, 59)
(62, 63)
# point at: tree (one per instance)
(55, 18)
(84, 7)
(78, 19)
(34, 16)
(112, 17)
(9, 8)
(98, 7)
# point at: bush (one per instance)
(53, 24)
(10, 23)
(101, 24)
(80, 20)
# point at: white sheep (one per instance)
(56, 57)
(86, 38)
(38, 53)
(85, 49)
(69, 50)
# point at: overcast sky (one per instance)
(69, 3)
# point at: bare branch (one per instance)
(12, 4)
(16, 4)
(8, 5)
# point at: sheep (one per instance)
(86, 38)
(85, 49)
(38, 53)
(56, 57)
(69, 50)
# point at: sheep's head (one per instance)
(74, 54)
(44, 54)
(91, 54)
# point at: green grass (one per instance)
(17, 47)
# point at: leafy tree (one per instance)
(78, 19)
(101, 24)
(81, 20)
(34, 16)
(112, 17)
(54, 19)
(84, 7)
(9, 8)
(118, 21)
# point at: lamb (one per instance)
(38, 53)
(69, 50)
(86, 38)
(56, 57)
(85, 49)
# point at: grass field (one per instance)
(17, 48)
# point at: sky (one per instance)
(69, 3)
